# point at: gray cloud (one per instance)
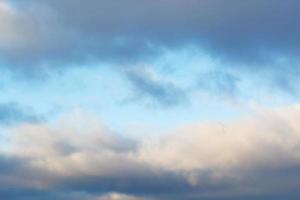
(235, 161)
(256, 37)
(49, 31)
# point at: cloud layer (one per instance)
(49, 31)
(259, 40)
(252, 157)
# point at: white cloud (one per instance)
(247, 156)
(80, 145)
(232, 151)
(118, 196)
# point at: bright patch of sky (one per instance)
(104, 91)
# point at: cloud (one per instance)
(252, 155)
(218, 83)
(148, 83)
(86, 158)
(246, 159)
(13, 113)
(255, 38)
(116, 196)
(48, 31)
(28, 35)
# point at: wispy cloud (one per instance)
(148, 84)
(12, 113)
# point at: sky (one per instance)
(149, 100)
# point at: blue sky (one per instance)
(154, 100)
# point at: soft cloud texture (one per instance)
(147, 83)
(159, 52)
(251, 157)
(239, 30)
(11, 113)
(255, 38)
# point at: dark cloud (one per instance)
(256, 37)
(49, 31)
